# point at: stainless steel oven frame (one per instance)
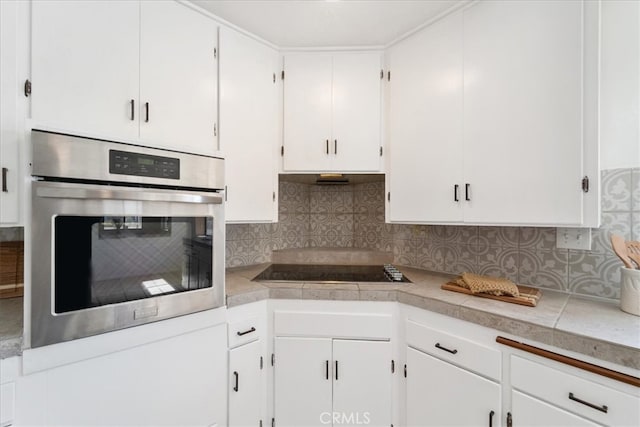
(51, 199)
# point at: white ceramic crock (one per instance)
(630, 291)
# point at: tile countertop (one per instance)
(595, 327)
(10, 327)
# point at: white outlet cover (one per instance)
(573, 238)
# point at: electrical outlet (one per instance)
(573, 238)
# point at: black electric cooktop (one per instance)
(326, 273)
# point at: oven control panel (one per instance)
(136, 164)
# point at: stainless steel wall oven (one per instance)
(121, 235)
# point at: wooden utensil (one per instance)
(620, 248)
(633, 250)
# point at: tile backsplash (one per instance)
(353, 216)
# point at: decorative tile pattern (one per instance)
(11, 234)
(544, 268)
(353, 215)
(616, 190)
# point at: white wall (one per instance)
(620, 84)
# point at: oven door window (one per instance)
(112, 259)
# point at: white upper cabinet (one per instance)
(135, 71)
(178, 78)
(426, 124)
(249, 126)
(523, 85)
(12, 113)
(491, 116)
(85, 66)
(332, 112)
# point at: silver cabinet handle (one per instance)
(327, 141)
(133, 109)
(335, 146)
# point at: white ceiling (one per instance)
(327, 23)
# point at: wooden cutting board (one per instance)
(528, 296)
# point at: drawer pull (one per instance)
(235, 374)
(491, 414)
(602, 408)
(248, 331)
(446, 349)
(336, 370)
(326, 369)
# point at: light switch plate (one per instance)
(573, 238)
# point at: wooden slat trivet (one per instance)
(528, 296)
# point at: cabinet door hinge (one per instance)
(261, 362)
(381, 151)
(405, 370)
(273, 359)
(27, 88)
(585, 184)
(388, 76)
(282, 75)
(282, 150)
(393, 366)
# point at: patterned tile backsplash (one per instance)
(353, 216)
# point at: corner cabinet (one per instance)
(332, 112)
(332, 382)
(249, 99)
(493, 118)
(136, 71)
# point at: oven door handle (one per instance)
(143, 195)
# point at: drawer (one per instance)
(244, 331)
(467, 354)
(575, 394)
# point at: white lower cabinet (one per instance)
(174, 381)
(441, 394)
(246, 385)
(551, 394)
(325, 381)
(530, 411)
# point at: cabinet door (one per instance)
(426, 124)
(362, 382)
(523, 86)
(302, 382)
(441, 394)
(154, 384)
(178, 78)
(85, 66)
(248, 126)
(307, 112)
(9, 145)
(356, 112)
(528, 411)
(245, 385)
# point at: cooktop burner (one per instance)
(330, 273)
